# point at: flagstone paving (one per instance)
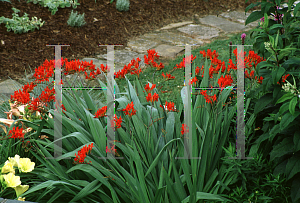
(165, 41)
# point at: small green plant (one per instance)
(54, 4)
(76, 20)
(21, 24)
(122, 5)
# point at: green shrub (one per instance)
(122, 5)
(21, 24)
(53, 5)
(278, 109)
(76, 20)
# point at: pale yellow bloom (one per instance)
(14, 160)
(25, 165)
(8, 167)
(11, 180)
(20, 189)
(21, 199)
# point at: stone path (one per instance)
(198, 31)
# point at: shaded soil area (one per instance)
(105, 25)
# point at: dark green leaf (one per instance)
(287, 119)
(262, 103)
(252, 5)
(283, 148)
(205, 196)
(292, 167)
(285, 97)
(255, 15)
(292, 105)
(276, 75)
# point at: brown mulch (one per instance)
(19, 51)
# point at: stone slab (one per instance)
(168, 51)
(200, 31)
(173, 38)
(8, 87)
(175, 25)
(223, 24)
(123, 57)
(141, 44)
(239, 17)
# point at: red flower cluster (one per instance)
(259, 80)
(28, 87)
(209, 54)
(182, 63)
(128, 108)
(209, 99)
(168, 76)
(151, 55)
(42, 73)
(118, 122)
(152, 98)
(22, 97)
(101, 112)
(169, 106)
(47, 95)
(111, 150)
(252, 57)
(223, 82)
(82, 153)
(74, 67)
(284, 78)
(148, 89)
(16, 133)
(251, 74)
(126, 69)
(194, 80)
(184, 129)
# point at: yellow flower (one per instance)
(25, 165)
(14, 160)
(11, 180)
(20, 189)
(21, 199)
(8, 167)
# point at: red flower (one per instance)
(169, 106)
(16, 133)
(118, 121)
(148, 89)
(28, 87)
(83, 152)
(184, 128)
(283, 78)
(168, 76)
(152, 98)
(112, 150)
(209, 53)
(209, 99)
(22, 97)
(101, 112)
(194, 80)
(224, 82)
(128, 108)
(259, 80)
(47, 95)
